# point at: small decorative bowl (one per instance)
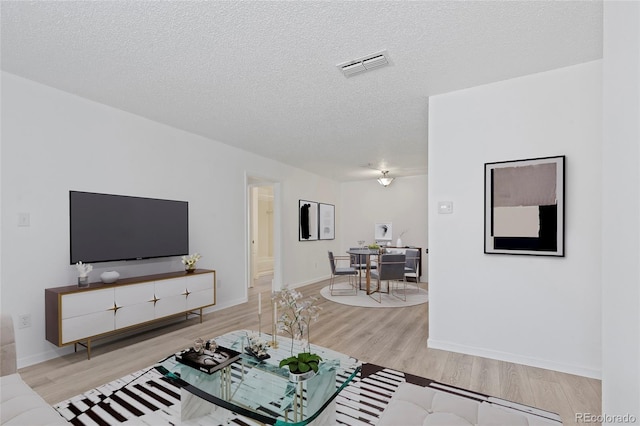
(109, 277)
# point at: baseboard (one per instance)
(228, 304)
(312, 281)
(515, 358)
(33, 359)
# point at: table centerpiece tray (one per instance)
(255, 355)
(208, 361)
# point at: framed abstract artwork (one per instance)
(524, 207)
(327, 221)
(308, 220)
(383, 231)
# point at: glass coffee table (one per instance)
(261, 390)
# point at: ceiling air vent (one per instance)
(366, 63)
(353, 69)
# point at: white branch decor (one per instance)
(83, 269)
(296, 315)
(190, 261)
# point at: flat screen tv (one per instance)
(106, 227)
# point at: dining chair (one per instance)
(411, 266)
(390, 268)
(359, 262)
(337, 271)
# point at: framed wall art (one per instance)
(524, 207)
(327, 221)
(383, 231)
(308, 220)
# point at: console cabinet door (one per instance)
(87, 314)
(201, 291)
(171, 297)
(135, 304)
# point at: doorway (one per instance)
(263, 242)
(262, 255)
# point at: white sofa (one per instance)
(20, 405)
(413, 405)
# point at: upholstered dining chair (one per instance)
(411, 266)
(359, 262)
(390, 268)
(341, 271)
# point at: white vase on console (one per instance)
(399, 242)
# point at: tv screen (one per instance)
(107, 227)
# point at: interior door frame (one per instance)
(255, 180)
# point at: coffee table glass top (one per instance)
(262, 390)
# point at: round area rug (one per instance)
(415, 296)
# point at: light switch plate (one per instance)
(445, 207)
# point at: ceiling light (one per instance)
(366, 63)
(385, 180)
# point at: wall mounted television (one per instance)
(106, 227)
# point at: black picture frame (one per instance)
(307, 220)
(524, 207)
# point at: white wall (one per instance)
(53, 142)
(621, 211)
(403, 203)
(531, 310)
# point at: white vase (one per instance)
(301, 377)
(399, 242)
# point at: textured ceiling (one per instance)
(262, 76)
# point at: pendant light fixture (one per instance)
(385, 180)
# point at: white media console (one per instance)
(75, 315)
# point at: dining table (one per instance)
(368, 253)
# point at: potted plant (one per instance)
(302, 366)
(190, 261)
(295, 320)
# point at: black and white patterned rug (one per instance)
(147, 398)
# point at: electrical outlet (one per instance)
(24, 320)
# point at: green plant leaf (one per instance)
(302, 362)
(288, 361)
(303, 368)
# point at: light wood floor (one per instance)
(396, 338)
